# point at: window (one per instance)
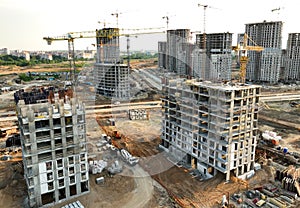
(49, 165)
(224, 148)
(235, 146)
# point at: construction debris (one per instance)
(97, 166)
(290, 178)
(115, 168)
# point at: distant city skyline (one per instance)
(25, 23)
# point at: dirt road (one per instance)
(143, 192)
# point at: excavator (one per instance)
(242, 50)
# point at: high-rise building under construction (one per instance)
(53, 138)
(162, 54)
(211, 126)
(264, 66)
(177, 59)
(112, 77)
(292, 58)
(212, 59)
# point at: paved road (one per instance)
(280, 97)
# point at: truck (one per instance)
(271, 138)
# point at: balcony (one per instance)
(223, 160)
(222, 169)
(44, 135)
(44, 157)
(44, 146)
(57, 134)
(59, 154)
(69, 133)
(58, 145)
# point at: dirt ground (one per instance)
(141, 139)
(283, 119)
(5, 70)
(12, 184)
(172, 186)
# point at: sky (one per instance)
(24, 23)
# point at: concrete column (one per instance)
(66, 170)
(228, 175)
(78, 174)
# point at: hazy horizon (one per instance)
(25, 23)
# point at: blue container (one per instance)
(285, 150)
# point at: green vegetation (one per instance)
(13, 60)
(38, 76)
(34, 60)
(57, 62)
(25, 78)
(141, 55)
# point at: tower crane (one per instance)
(71, 36)
(116, 14)
(277, 10)
(167, 17)
(167, 21)
(205, 6)
(242, 50)
(104, 23)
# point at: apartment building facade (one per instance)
(216, 49)
(53, 139)
(211, 126)
(162, 54)
(176, 55)
(264, 66)
(292, 58)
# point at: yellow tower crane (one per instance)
(71, 36)
(242, 50)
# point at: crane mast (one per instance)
(242, 50)
(204, 40)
